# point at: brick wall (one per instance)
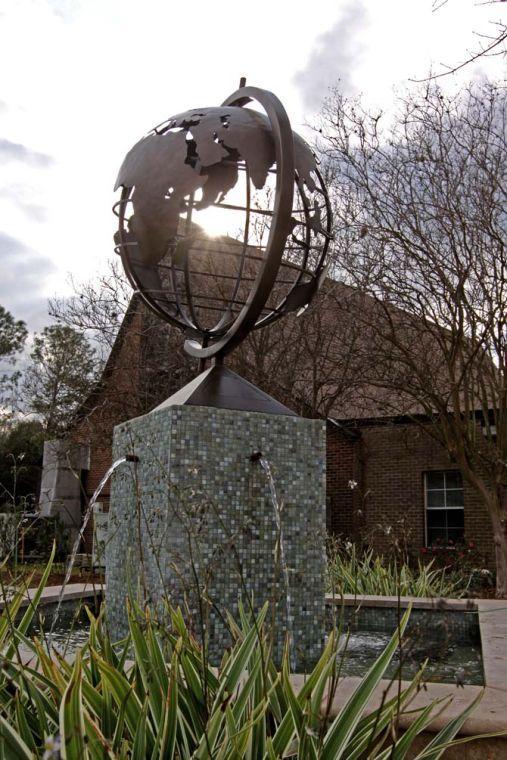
(342, 467)
(390, 462)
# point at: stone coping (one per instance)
(51, 594)
(421, 603)
(490, 715)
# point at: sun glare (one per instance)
(214, 221)
(217, 221)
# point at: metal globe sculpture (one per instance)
(231, 159)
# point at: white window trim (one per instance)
(429, 509)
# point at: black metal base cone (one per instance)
(221, 388)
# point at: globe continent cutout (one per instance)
(200, 150)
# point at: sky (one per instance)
(83, 80)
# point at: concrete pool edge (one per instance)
(417, 602)
(50, 594)
(490, 714)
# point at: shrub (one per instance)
(351, 572)
(155, 696)
(40, 536)
(461, 559)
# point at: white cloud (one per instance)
(22, 283)
(24, 197)
(13, 151)
(334, 59)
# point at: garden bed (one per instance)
(30, 574)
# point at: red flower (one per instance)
(423, 550)
(471, 545)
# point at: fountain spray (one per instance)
(79, 537)
(258, 456)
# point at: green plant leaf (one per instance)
(238, 660)
(14, 747)
(23, 727)
(27, 618)
(139, 746)
(147, 668)
(443, 739)
(97, 746)
(300, 718)
(166, 740)
(124, 693)
(403, 745)
(206, 746)
(72, 730)
(372, 726)
(340, 731)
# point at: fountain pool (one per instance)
(449, 640)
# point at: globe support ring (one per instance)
(280, 229)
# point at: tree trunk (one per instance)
(499, 521)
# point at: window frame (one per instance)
(443, 508)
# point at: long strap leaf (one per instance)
(349, 716)
(443, 739)
(72, 729)
(27, 618)
(14, 747)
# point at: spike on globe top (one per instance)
(270, 259)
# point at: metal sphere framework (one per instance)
(216, 290)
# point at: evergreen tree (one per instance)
(12, 339)
(62, 371)
(12, 335)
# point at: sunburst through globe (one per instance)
(247, 167)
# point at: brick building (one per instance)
(407, 488)
(386, 478)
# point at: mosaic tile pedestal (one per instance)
(193, 521)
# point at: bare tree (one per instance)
(142, 358)
(96, 308)
(312, 362)
(421, 215)
(489, 44)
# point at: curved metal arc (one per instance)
(284, 156)
(279, 310)
(188, 290)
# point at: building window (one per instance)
(445, 513)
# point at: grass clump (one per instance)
(358, 573)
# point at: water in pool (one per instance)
(71, 629)
(449, 640)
